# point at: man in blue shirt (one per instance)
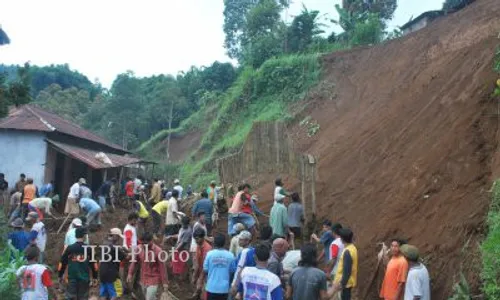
(19, 238)
(47, 189)
(326, 239)
(258, 282)
(92, 209)
(205, 206)
(218, 268)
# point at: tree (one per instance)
(383, 8)
(166, 104)
(304, 28)
(235, 12)
(123, 107)
(451, 5)
(71, 103)
(360, 28)
(16, 92)
(243, 16)
(265, 33)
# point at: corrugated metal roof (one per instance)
(88, 156)
(31, 117)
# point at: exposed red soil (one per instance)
(407, 143)
(181, 146)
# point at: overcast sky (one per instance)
(104, 38)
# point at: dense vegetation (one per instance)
(491, 248)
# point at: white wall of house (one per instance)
(22, 152)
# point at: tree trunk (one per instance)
(170, 117)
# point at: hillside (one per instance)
(407, 147)
(407, 140)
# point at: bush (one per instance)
(490, 248)
(369, 32)
(10, 261)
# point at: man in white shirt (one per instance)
(130, 232)
(72, 207)
(178, 188)
(417, 282)
(39, 205)
(137, 186)
(172, 222)
(38, 233)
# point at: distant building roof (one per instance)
(89, 157)
(428, 14)
(30, 117)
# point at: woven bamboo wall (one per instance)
(268, 151)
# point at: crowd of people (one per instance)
(248, 261)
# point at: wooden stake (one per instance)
(64, 222)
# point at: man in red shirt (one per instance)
(129, 190)
(153, 269)
(201, 252)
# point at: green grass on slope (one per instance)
(491, 248)
(257, 95)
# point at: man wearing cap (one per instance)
(178, 187)
(279, 218)
(72, 207)
(70, 237)
(19, 238)
(234, 246)
(38, 234)
(417, 282)
(246, 258)
(78, 258)
(109, 267)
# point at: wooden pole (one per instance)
(303, 186)
(313, 187)
(64, 222)
(312, 164)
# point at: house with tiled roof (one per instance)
(47, 147)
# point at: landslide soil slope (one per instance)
(407, 143)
